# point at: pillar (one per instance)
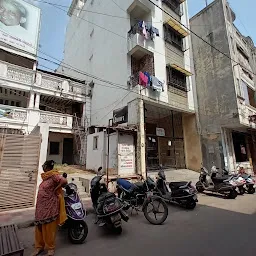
(37, 101)
(44, 131)
(31, 100)
(141, 149)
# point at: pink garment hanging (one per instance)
(143, 79)
(144, 30)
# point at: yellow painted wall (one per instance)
(192, 144)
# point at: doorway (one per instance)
(68, 151)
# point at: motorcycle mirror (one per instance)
(64, 175)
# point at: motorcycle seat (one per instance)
(177, 185)
(220, 179)
(139, 184)
(125, 184)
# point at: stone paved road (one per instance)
(216, 227)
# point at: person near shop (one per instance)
(50, 209)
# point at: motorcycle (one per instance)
(208, 181)
(108, 208)
(181, 193)
(249, 183)
(237, 179)
(143, 194)
(76, 225)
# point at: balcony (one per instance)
(137, 44)
(138, 8)
(13, 117)
(60, 86)
(56, 120)
(17, 77)
(11, 75)
(247, 114)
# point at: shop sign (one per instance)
(160, 132)
(120, 116)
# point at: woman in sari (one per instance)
(50, 209)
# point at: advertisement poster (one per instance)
(126, 158)
(19, 25)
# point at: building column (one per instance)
(84, 117)
(44, 131)
(37, 101)
(31, 100)
(141, 147)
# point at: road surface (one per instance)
(216, 227)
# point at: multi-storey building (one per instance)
(43, 115)
(225, 80)
(138, 54)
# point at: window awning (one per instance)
(180, 69)
(177, 27)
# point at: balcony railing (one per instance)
(55, 119)
(20, 74)
(13, 113)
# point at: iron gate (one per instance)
(19, 157)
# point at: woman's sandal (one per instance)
(37, 252)
(51, 253)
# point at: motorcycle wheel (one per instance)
(241, 190)
(232, 194)
(251, 190)
(191, 205)
(77, 232)
(118, 230)
(150, 207)
(199, 188)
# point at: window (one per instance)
(174, 5)
(54, 148)
(95, 142)
(172, 37)
(18, 104)
(12, 103)
(176, 79)
(1, 101)
(6, 102)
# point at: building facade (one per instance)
(138, 54)
(225, 81)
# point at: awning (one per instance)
(181, 1)
(180, 69)
(177, 26)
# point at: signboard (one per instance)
(19, 25)
(120, 116)
(160, 132)
(126, 156)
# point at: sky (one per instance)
(54, 22)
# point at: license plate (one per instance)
(76, 206)
(115, 218)
(149, 194)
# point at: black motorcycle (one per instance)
(143, 194)
(181, 193)
(108, 208)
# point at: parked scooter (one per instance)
(108, 208)
(77, 227)
(250, 182)
(182, 193)
(208, 181)
(237, 179)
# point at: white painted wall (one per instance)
(95, 157)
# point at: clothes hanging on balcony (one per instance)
(157, 85)
(153, 32)
(143, 79)
(149, 78)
